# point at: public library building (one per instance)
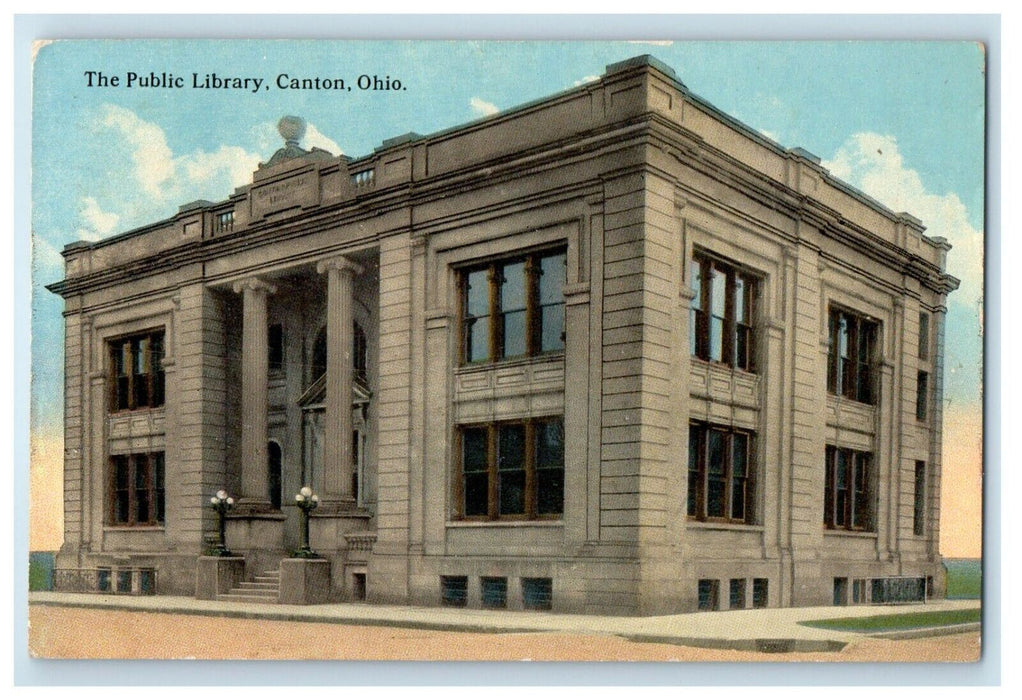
(608, 352)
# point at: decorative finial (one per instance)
(292, 129)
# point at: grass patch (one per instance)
(902, 621)
(964, 578)
(40, 571)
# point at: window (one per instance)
(360, 355)
(722, 314)
(922, 394)
(513, 308)
(860, 591)
(919, 500)
(512, 470)
(720, 469)
(848, 497)
(736, 600)
(759, 592)
(840, 591)
(852, 356)
(273, 482)
(537, 593)
(454, 591)
(223, 222)
(275, 343)
(924, 335)
(136, 494)
(494, 591)
(709, 594)
(136, 368)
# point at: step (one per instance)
(267, 579)
(253, 592)
(259, 586)
(246, 598)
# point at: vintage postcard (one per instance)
(472, 350)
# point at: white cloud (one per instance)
(873, 163)
(482, 108)
(45, 257)
(98, 223)
(314, 138)
(161, 179)
(772, 135)
(587, 79)
(150, 153)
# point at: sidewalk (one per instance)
(767, 629)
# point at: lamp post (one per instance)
(221, 503)
(307, 502)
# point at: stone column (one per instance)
(254, 395)
(337, 429)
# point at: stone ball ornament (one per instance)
(291, 128)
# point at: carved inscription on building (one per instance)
(297, 191)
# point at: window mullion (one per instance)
(729, 446)
(532, 273)
(150, 367)
(704, 471)
(728, 350)
(459, 474)
(132, 501)
(462, 314)
(530, 470)
(150, 488)
(853, 359)
(491, 466)
(496, 325)
(850, 487)
(130, 370)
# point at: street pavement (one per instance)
(766, 629)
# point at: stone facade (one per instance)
(632, 181)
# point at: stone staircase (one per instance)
(265, 588)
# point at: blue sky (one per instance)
(903, 121)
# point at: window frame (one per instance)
(919, 499)
(156, 390)
(924, 336)
(495, 343)
(702, 472)
(275, 345)
(154, 464)
(850, 386)
(701, 312)
(531, 467)
(851, 516)
(922, 396)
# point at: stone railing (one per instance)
(126, 581)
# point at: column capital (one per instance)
(254, 284)
(341, 263)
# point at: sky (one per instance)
(901, 121)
